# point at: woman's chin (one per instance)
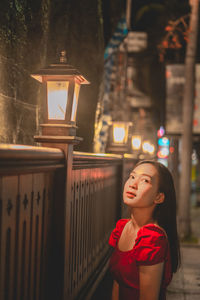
(129, 201)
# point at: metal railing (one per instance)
(33, 227)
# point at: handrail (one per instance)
(94, 156)
(88, 160)
(82, 159)
(11, 151)
(22, 159)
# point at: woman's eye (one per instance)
(145, 180)
(132, 176)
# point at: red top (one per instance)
(151, 247)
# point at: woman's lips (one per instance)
(130, 194)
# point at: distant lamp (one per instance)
(151, 149)
(136, 142)
(148, 148)
(118, 137)
(63, 83)
(120, 132)
(145, 146)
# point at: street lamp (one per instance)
(148, 147)
(118, 141)
(136, 142)
(62, 83)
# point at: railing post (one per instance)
(67, 148)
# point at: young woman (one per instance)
(146, 248)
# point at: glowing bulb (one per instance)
(145, 146)
(136, 142)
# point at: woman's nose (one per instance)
(133, 183)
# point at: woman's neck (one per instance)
(139, 219)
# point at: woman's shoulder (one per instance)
(152, 234)
(152, 230)
(151, 245)
(116, 233)
(121, 223)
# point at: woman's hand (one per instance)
(115, 291)
(150, 281)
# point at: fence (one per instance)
(34, 257)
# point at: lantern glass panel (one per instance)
(57, 99)
(75, 101)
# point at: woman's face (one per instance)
(141, 189)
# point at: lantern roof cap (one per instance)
(59, 71)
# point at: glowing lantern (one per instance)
(63, 83)
(145, 146)
(120, 132)
(151, 149)
(118, 137)
(136, 142)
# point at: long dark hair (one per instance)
(165, 212)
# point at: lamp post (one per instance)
(118, 140)
(62, 83)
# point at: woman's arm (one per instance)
(150, 281)
(115, 291)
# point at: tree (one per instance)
(188, 108)
(175, 38)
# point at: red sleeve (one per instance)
(115, 234)
(151, 246)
